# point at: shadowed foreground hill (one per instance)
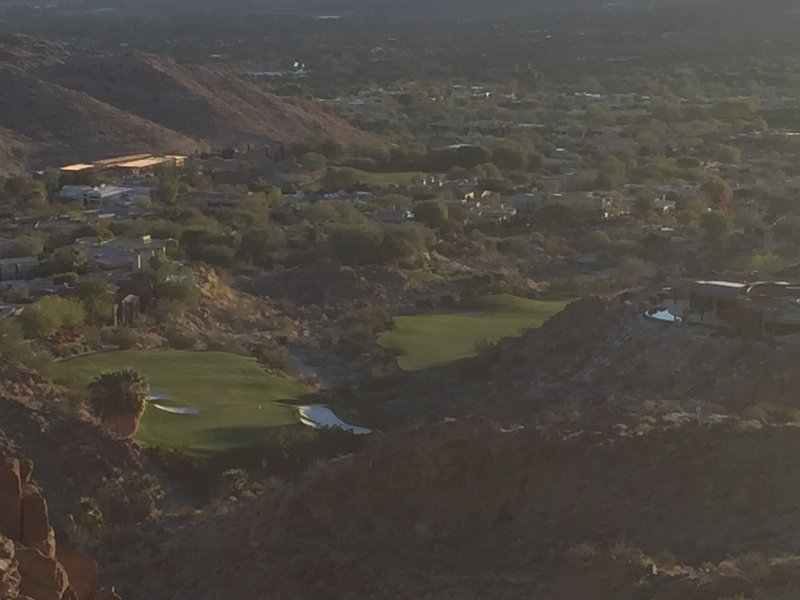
(467, 510)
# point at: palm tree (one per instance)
(118, 399)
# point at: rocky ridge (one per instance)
(32, 566)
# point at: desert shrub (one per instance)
(180, 339)
(125, 338)
(51, 314)
(274, 359)
(69, 279)
(631, 269)
(17, 296)
(14, 346)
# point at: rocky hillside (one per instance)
(469, 510)
(75, 459)
(597, 361)
(57, 105)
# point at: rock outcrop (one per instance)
(31, 566)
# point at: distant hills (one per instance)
(56, 106)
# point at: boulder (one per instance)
(10, 498)
(25, 471)
(43, 578)
(36, 531)
(9, 572)
(82, 572)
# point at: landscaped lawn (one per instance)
(237, 400)
(428, 340)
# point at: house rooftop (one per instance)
(142, 163)
(76, 168)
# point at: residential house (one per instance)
(665, 207)
(527, 203)
(212, 202)
(129, 253)
(21, 268)
(104, 195)
(762, 310)
(132, 165)
(494, 215)
(394, 217)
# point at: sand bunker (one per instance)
(321, 417)
(663, 315)
(177, 410)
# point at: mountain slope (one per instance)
(58, 106)
(198, 101)
(52, 123)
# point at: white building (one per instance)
(103, 194)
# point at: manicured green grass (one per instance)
(383, 179)
(428, 340)
(237, 400)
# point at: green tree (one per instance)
(313, 162)
(432, 213)
(14, 346)
(406, 243)
(119, 394)
(26, 245)
(70, 259)
(50, 315)
(717, 190)
(631, 269)
(356, 244)
(611, 173)
(261, 245)
(99, 298)
(717, 227)
(644, 206)
(166, 190)
(339, 179)
(457, 173)
(26, 192)
(509, 157)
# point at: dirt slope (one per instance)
(465, 510)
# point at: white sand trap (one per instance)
(320, 417)
(663, 315)
(177, 410)
(158, 396)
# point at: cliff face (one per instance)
(31, 564)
